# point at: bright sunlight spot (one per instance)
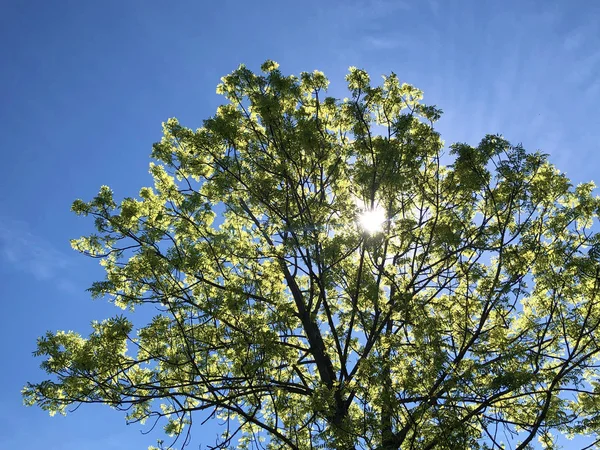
(372, 220)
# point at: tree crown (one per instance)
(325, 275)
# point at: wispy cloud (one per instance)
(24, 251)
(575, 39)
(383, 43)
(367, 13)
(373, 9)
(434, 6)
(585, 67)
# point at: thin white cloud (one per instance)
(592, 91)
(362, 12)
(434, 6)
(380, 8)
(574, 39)
(22, 250)
(585, 69)
(382, 43)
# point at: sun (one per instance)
(372, 220)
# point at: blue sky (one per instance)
(85, 85)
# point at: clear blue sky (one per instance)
(85, 85)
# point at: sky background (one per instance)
(85, 85)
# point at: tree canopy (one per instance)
(326, 275)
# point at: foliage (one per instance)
(471, 314)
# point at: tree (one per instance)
(327, 277)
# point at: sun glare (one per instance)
(372, 220)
